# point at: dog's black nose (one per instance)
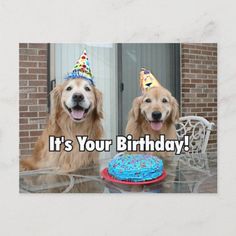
(78, 97)
(156, 115)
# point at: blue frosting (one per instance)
(135, 167)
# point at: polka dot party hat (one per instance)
(81, 69)
(147, 80)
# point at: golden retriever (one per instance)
(154, 113)
(76, 110)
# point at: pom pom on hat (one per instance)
(81, 69)
(147, 80)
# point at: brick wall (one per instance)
(199, 84)
(33, 94)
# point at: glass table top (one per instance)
(188, 173)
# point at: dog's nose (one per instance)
(78, 97)
(156, 115)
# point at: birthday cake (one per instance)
(135, 167)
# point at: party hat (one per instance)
(81, 69)
(147, 80)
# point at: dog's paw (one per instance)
(25, 165)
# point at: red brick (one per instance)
(24, 133)
(35, 133)
(202, 66)
(206, 109)
(209, 81)
(28, 64)
(185, 80)
(190, 46)
(26, 152)
(38, 95)
(23, 83)
(28, 139)
(37, 71)
(28, 102)
(28, 52)
(42, 52)
(42, 77)
(185, 61)
(38, 45)
(185, 90)
(190, 105)
(42, 101)
(42, 89)
(213, 104)
(28, 114)
(38, 83)
(24, 145)
(184, 50)
(23, 45)
(206, 52)
(196, 81)
(28, 126)
(185, 70)
(201, 95)
(23, 70)
(42, 64)
(27, 90)
(212, 85)
(189, 76)
(37, 58)
(23, 96)
(23, 58)
(214, 114)
(201, 104)
(202, 76)
(43, 114)
(194, 51)
(188, 85)
(37, 120)
(42, 126)
(196, 109)
(23, 108)
(38, 108)
(28, 77)
(197, 71)
(23, 121)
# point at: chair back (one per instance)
(198, 129)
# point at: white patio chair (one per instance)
(198, 129)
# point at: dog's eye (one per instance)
(164, 100)
(68, 88)
(148, 100)
(87, 88)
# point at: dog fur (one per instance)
(62, 123)
(156, 99)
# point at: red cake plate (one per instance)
(106, 176)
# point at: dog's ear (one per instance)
(135, 110)
(99, 103)
(55, 104)
(175, 110)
